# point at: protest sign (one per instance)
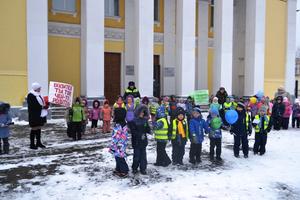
(201, 97)
(61, 93)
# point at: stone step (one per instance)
(58, 112)
(57, 116)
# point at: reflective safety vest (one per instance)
(234, 104)
(131, 91)
(174, 130)
(162, 134)
(266, 123)
(247, 121)
(227, 106)
(153, 109)
(117, 106)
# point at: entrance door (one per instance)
(112, 76)
(156, 77)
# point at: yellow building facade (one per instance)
(179, 62)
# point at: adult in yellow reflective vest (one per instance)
(241, 129)
(262, 124)
(161, 127)
(131, 90)
(179, 133)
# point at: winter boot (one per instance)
(5, 146)
(32, 136)
(0, 147)
(38, 139)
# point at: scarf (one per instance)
(40, 99)
(181, 129)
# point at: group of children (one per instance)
(180, 122)
(79, 115)
(173, 121)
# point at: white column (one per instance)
(144, 16)
(290, 46)
(223, 32)
(169, 47)
(185, 49)
(238, 49)
(92, 48)
(255, 46)
(37, 43)
(202, 72)
(129, 42)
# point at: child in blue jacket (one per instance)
(215, 134)
(5, 121)
(197, 127)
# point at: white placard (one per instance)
(61, 93)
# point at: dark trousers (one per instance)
(162, 158)
(121, 165)
(178, 150)
(260, 143)
(77, 130)
(277, 123)
(238, 139)
(5, 146)
(35, 134)
(297, 121)
(215, 143)
(285, 123)
(195, 152)
(139, 159)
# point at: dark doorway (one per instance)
(112, 76)
(156, 76)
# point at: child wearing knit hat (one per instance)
(262, 125)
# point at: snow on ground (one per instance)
(83, 170)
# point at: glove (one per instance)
(2, 125)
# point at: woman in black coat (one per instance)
(277, 113)
(36, 115)
(139, 131)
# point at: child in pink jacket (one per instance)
(95, 115)
(287, 113)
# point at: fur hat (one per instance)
(35, 86)
(179, 111)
